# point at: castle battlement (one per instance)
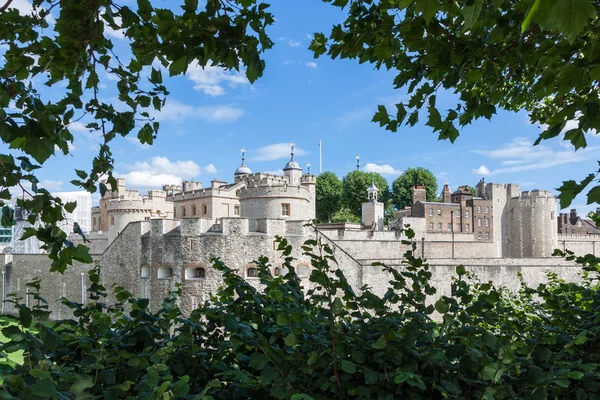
(537, 193)
(275, 191)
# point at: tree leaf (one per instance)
(348, 366)
(471, 14)
(570, 17)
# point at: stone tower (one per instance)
(292, 169)
(419, 194)
(372, 210)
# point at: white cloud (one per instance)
(294, 43)
(26, 8)
(275, 151)
(483, 170)
(210, 79)
(287, 62)
(50, 185)
(160, 171)
(176, 111)
(115, 34)
(210, 169)
(520, 155)
(311, 64)
(78, 127)
(383, 169)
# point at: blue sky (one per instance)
(211, 114)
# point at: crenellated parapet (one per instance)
(297, 191)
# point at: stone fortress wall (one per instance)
(149, 256)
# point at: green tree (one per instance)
(403, 185)
(540, 56)
(73, 55)
(355, 185)
(344, 214)
(328, 195)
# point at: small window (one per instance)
(431, 212)
(194, 209)
(449, 227)
(487, 210)
(236, 210)
(431, 226)
(487, 223)
(94, 221)
(479, 222)
(439, 211)
(237, 193)
(204, 209)
(183, 211)
(458, 214)
(302, 270)
(285, 209)
(467, 214)
(277, 271)
(487, 236)
(145, 272)
(164, 272)
(552, 215)
(458, 226)
(479, 235)
(579, 224)
(468, 228)
(439, 226)
(174, 212)
(112, 220)
(251, 271)
(478, 210)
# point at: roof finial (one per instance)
(292, 145)
(308, 168)
(243, 151)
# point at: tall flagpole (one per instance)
(320, 157)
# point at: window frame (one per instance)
(286, 207)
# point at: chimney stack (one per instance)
(573, 213)
(419, 194)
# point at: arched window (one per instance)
(277, 271)
(145, 272)
(195, 272)
(251, 271)
(303, 270)
(164, 272)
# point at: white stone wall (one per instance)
(373, 215)
(579, 244)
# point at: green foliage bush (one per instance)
(328, 342)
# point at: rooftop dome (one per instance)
(292, 164)
(372, 188)
(243, 169)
